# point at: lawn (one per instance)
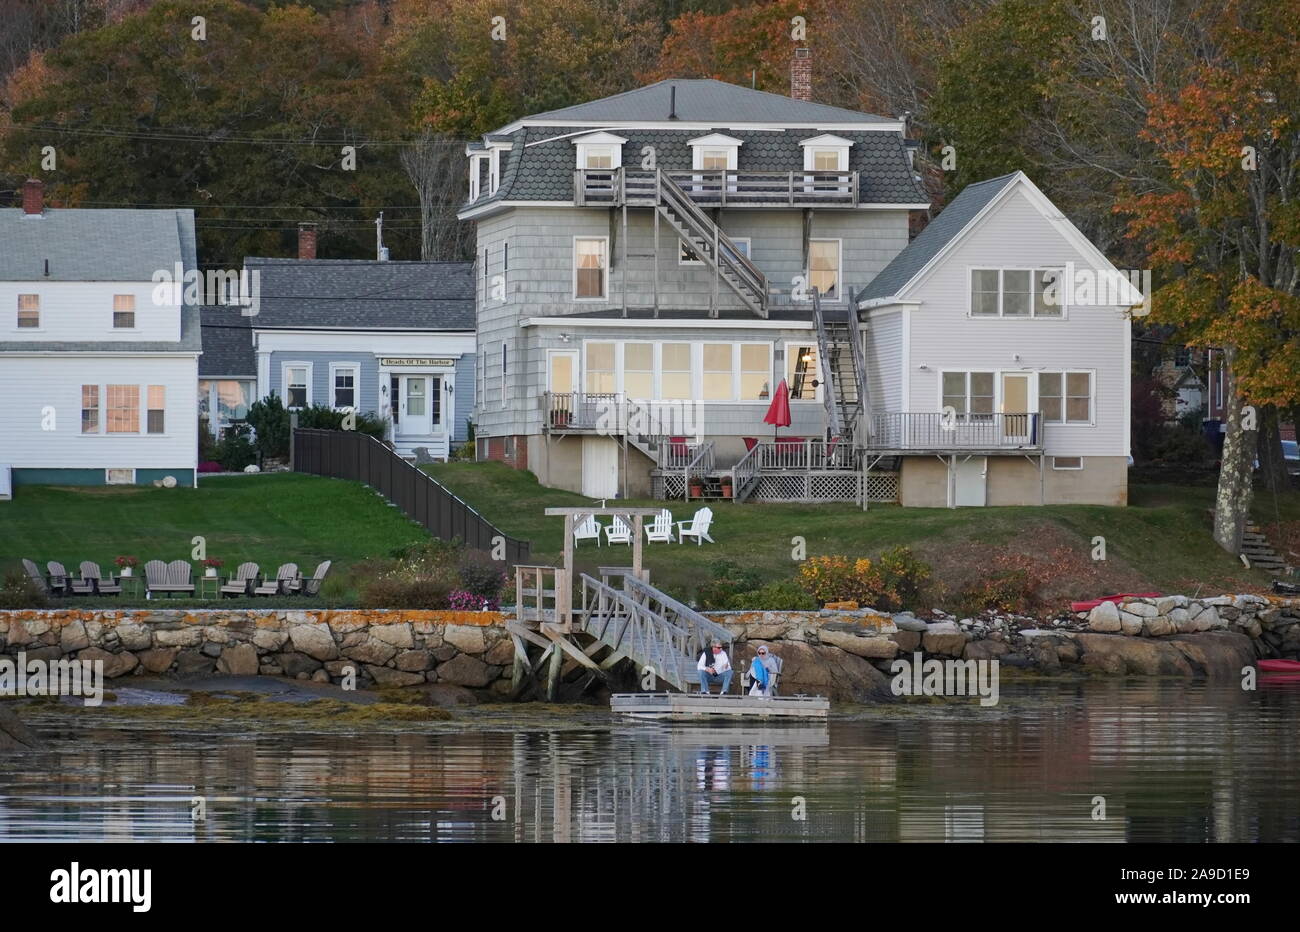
(1160, 542)
(268, 519)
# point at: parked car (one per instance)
(1291, 453)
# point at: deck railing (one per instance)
(935, 431)
(584, 411)
(615, 186)
(805, 453)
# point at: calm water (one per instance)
(1175, 762)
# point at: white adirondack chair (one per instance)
(589, 529)
(697, 527)
(660, 531)
(620, 532)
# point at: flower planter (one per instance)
(210, 571)
(126, 571)
(726, 488)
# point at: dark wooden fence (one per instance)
(350, 454)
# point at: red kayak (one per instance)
(1122, 597)
(1279, 666)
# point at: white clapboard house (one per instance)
(98, 352)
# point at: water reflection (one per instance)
(1171, 761)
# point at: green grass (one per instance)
(268, 519)
(1161, 541)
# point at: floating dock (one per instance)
(696, 706)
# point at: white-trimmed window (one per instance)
(475, 175)
(505, 370)
(675, 372)
(686, 255)
(599, 151)
(119, 477)
(1067, 462)
(590, 267)
(598, 370)
(970, 394)
(742, 245)
(296, 378)
(1066, 397)
(343, 385)
(123, 312)
(755, 371)
(1016, 293)
(719, 369)
(156, 412)
(639, 370)
(824, 264)
(715, 152)
(29, 311)
(90, 409)
(826, 153)
(123, 409)
(802, 373)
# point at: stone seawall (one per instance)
(843, 654)
(384, 648)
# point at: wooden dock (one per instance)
(688, 705)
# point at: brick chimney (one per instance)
(306, 241)
(33, 197)
(801, 75)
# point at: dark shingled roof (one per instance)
(361, 294)
(227, 344)
(540, 166)
(704, 100)
(941, 231)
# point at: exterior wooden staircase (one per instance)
(713, 247)
(844, 372)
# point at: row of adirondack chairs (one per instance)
(174, 578)
(660, 530)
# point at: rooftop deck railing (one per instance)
(612, 187)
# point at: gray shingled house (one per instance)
(651, 266)
(99, 345)
(394, 339)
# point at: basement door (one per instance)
(971, 481)
(599, 467)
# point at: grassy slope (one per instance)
(270, 519)
(1161, 541)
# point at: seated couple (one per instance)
(715, 667)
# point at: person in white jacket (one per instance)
(714, 667)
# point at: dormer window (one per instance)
(476, 174)
(826, 153)
(494, 172)
(715, 152)
(599, 151)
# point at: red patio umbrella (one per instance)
(778, 412)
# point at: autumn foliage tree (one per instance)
(1223, 224)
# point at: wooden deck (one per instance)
(695, 706)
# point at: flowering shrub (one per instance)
(838, 579)
(462, 600)
(212, 562)
(896, 580)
